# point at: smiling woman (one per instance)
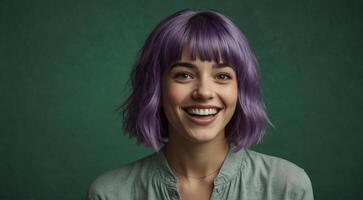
(196, 100)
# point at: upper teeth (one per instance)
(197, 111)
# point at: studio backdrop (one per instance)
(65, 66)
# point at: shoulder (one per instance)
(114, 183)
(280, 174)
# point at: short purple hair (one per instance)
(210, 36)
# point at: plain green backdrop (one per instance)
(65, 67)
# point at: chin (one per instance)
(203, 136)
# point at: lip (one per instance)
(201, 120)
(201, 106)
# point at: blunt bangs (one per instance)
(204, 34)
(209, 36)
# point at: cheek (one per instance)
(175, 95)
(230, 95)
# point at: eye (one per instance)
(183, 76)
(224, 76)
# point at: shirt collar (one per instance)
(232, 166)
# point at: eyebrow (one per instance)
(190, 65)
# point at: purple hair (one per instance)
(210, 35)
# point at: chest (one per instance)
(196, 190)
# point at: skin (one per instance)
(195, 150)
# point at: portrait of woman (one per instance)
(196, 100)
(180, 100)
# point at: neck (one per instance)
(192, 161)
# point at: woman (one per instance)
(196, 100)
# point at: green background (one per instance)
(65, 67)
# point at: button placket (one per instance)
(173, 194)
(219, 189)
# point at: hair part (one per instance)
(210, 36)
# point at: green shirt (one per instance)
(245, 174)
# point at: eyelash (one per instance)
(177, 75)
(188, 74)
(225, 74)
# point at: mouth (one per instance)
(202, 116)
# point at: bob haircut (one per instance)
(210, 36)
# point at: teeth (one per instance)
(196, 111)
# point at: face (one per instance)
(199, 99)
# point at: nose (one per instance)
(203, 90)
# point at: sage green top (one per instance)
(245, 175)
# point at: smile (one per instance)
(202, 116)
(202, 112)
